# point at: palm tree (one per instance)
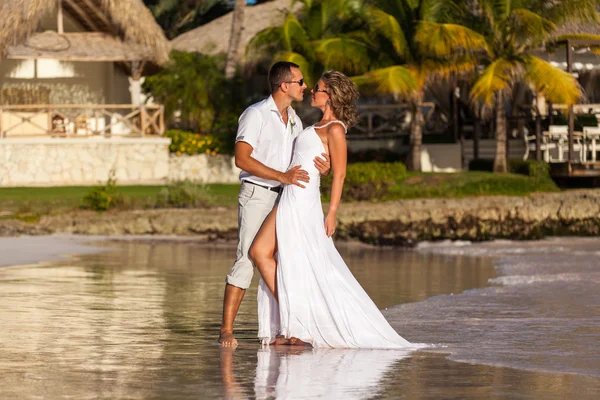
(407, 35)
(237, 27)
(178, 16)
(325, 35)
(512, 31)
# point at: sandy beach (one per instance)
(24, 250)
(140, 320)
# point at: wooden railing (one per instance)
(383, 121)
(71, 120)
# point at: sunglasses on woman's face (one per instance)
(317, 89)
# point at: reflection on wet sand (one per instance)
(140, 322)
(291, 373)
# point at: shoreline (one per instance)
(401, 223)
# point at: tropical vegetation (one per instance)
(513, 31)
(196, 94)
(400, 48)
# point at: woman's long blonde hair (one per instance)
(343, 95)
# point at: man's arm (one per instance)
(244, 160)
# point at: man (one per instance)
(263, 149)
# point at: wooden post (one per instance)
(507, 148)
(161, 125)
(143, 120)
(538, 137)
(476, 135)
(571, 114)
(59, 18)
(454, 109)
(50, 122)
(550, 113)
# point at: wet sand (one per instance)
(140, 321)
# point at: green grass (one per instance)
(28, 204)
(25, 202)
(464, 184)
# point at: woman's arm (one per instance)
(336, 139)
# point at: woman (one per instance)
(308, 295)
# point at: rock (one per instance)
(399, 223)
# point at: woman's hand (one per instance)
(330, 224)
(323, 164)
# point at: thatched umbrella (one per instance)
(213, 38)
(128, 20)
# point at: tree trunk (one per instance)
(237, 26)
(416, 135)
(500, 159)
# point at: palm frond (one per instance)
(558, 41)
(498, 76)
(557, 85)
(266, 38)
(396, 80)
(443, 40)
(342, 53)
(530, 28)
(295, 37)
(440, 10)
(300, 60)
(564, 10)
(387, 26)
(437, 70)
(499, 9)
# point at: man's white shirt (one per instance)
(261, 126)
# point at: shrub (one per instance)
(195, 92)
(532, 168)
(380, 155)
(183, 194)
(481, 164)
(185, 142)
(367, 181)
(103, 198)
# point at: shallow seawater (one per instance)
(140, 321)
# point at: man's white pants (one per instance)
(254, 204)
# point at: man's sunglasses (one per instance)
(299, 82)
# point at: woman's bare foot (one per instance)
(296, 342)
(227, 340)
(283, 341)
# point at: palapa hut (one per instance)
(70, 72)
(213, 38)
(76, 52)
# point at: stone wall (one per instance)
(82, 161)
(400, 223)
(204, 168)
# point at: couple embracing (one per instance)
(307, 294)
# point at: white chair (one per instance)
(530, 145)
(591, 133)
(560, 133)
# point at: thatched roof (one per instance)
(213, 38)
(129, 22)
(79, 46)
(578, 27)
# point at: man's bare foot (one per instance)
(227, 340)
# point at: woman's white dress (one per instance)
(320, 301)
